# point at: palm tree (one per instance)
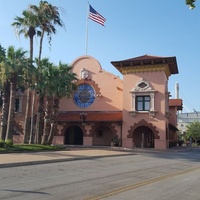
(34, 88)
(26, 25)
(64, 88)
(2, 53)
(47, 119)
(5, 94)
(47, 74)
(40, 88)
(47, 17)
(59, 83)
(30, 80)
(12, 71)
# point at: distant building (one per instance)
(184, 119)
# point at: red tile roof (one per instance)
(144, 57)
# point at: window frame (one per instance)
(143, 89)
(142, 103)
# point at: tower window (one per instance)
(143, 103)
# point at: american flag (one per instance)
(95, 16)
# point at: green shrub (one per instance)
(180, 142)
(172, 143)
(8, 143)
(2, 143)
(116, 141)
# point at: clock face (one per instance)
(84, 96)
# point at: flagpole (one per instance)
(86, 38)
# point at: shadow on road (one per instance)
(184, 153)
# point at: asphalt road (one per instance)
(141, 176)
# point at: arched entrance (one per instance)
(143, 137)
(102, 136)
(73, 136)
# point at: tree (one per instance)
(190, 3)
(48, 17)
(26, 25)
(5, 95)
(59, 83)
(11, 71)
(64, 88)
(193, 131)
(44, 89)
(37, 20)
(34, 88)
(2, 53)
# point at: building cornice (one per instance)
(142, 69)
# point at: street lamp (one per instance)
(83, 116)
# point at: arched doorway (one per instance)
(143, 136)
(102, 136)
(74, 136)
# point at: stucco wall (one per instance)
(157, 82)
(111, 87)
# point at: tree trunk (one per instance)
(40, 113)
(47, 119)
(11, 113)
(54, 119)
(31, 141)
(5, 109)
(27, 117)
(40, 49)
(29, 106)
(52, 133)
(31, 36)
(40, 119)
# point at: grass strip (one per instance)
(30, 147)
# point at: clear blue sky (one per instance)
(133, 28)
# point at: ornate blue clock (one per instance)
(84, 96)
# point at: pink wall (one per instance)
(157, 81)
(111, 87)
(115, 95)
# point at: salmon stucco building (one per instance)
(136, 109)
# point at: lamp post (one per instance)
(83, 116)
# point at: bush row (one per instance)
(6, 143)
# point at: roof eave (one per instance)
(171, 61)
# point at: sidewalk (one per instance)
(30, 158)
